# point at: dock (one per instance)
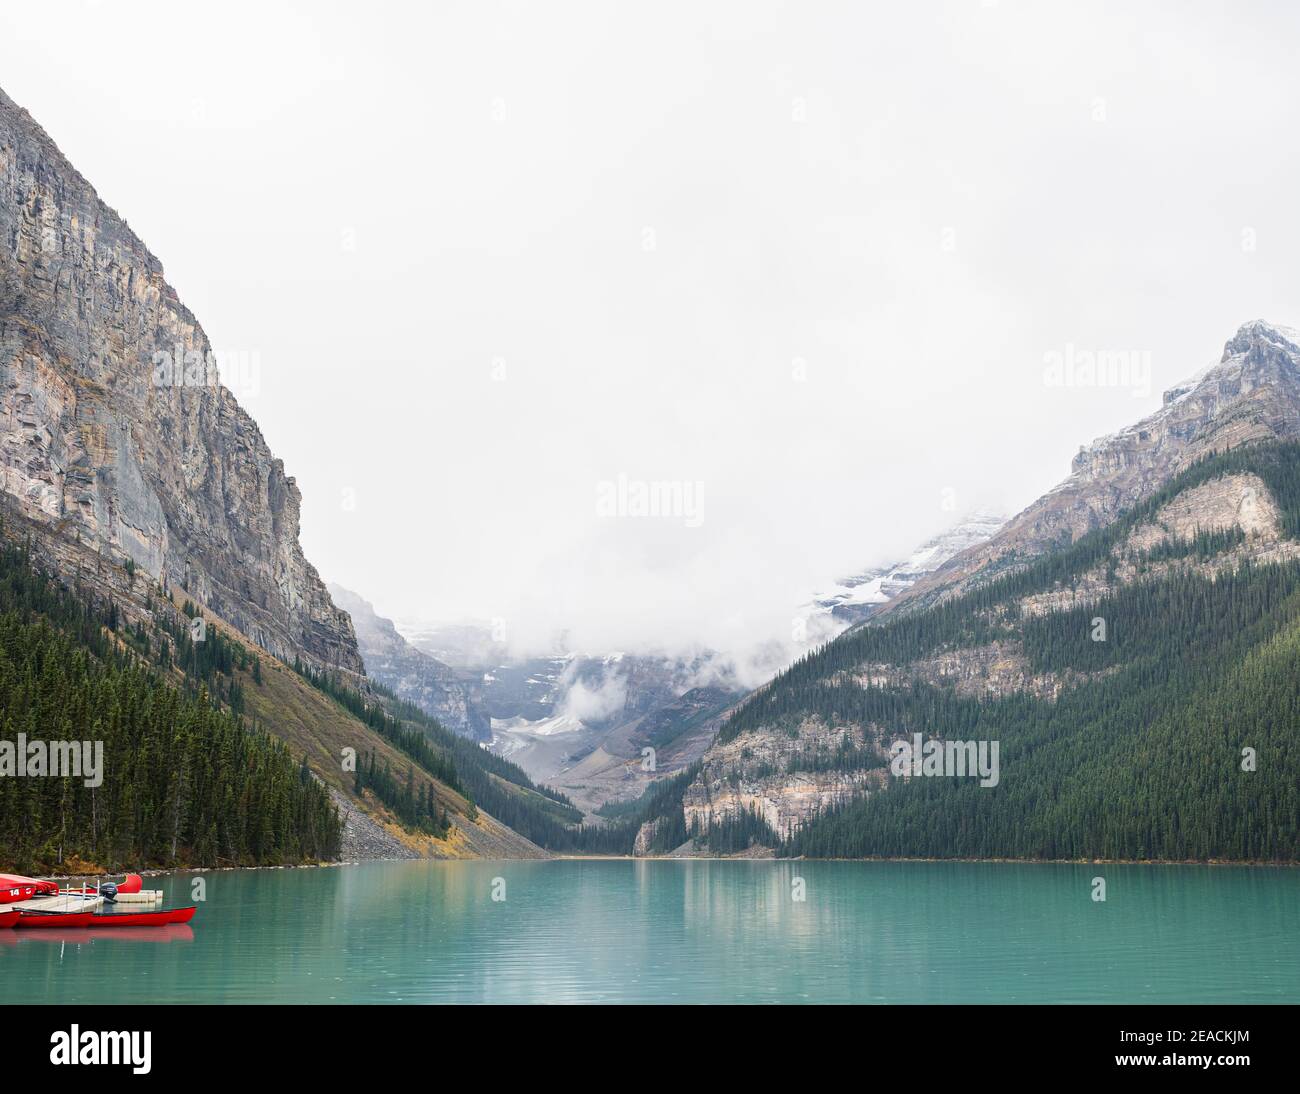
(64, 902)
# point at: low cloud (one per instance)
(593, 701)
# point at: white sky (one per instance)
(972, 186)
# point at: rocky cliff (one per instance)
(788, 778)
(1252, 394)
(456, 700)
(117, 440)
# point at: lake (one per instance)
(693, 932)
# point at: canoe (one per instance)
(51, 920)
(36, 883)
(141, 919)
(131, 884)
(8, 919)
(16, 887)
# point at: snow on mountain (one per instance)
(853, 599)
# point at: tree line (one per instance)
(184, 783)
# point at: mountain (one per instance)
(1139, 685)
(676, 704)
(582, 723)
(215, 753)
(1130, 643)
(856, 598)
(1252, 394)
(578, 721)
(147, 525)
(453, 698)
(117, 441)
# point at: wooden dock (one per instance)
(144, 896)
(64, 902)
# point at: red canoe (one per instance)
(142, 919)
(8, 919)
(54, 919)
(14, 887)
(131, 884)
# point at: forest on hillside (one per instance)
(1181, 743)
(184, 780)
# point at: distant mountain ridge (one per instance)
(579, 721)
(602, 712)
(454, 698)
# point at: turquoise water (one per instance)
(693, 932)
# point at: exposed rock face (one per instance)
(777, 775)
(646, 834)
(115, 437)
(1230, 501)
(1252, 394)
(995, 669)
(435, 688)
(1239, 501)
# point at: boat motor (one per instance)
(109, 892)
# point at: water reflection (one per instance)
(695, 931)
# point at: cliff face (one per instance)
(783, 777)
(116, 439)
(1251, 395)
(437, 689)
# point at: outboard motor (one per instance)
(108, 891)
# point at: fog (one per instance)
(637, 324)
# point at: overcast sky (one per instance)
(487, 257)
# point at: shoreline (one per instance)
(1288, 864)
(165, 872)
